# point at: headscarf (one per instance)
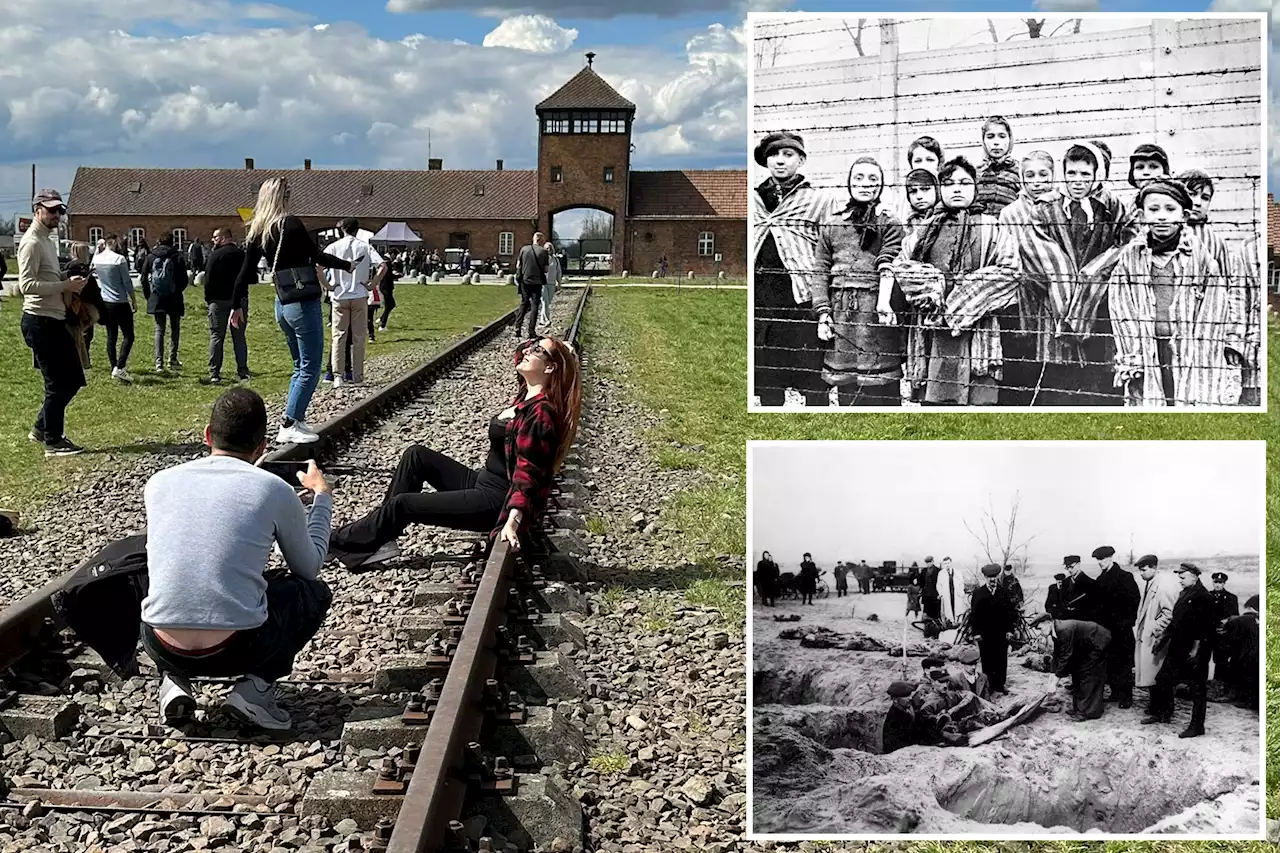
(863, 216)
(949, 216)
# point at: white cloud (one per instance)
(589, 9)
(533, 33)
(1067, 5)
(98, 96)
(1251, 6)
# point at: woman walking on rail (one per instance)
(527, 444)
(279, 236)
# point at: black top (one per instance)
(299, 249)
(531, 269)
(496, 462)
(220, 274)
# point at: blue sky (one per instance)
(209, 82)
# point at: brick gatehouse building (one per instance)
(690, 217)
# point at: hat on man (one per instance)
(900, 689)
(1189, 567)
(969, 655)
(928, 559)
(1103, 552)
(1060, 576)
(1252, 603)
(775, 142)
(1147, 560)
(991, 570)
(48, 198)
(1071, 561)
(1147, 151)
(932, 663)
(1219, 577)
(1041, 619)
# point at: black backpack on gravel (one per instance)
(102, 602)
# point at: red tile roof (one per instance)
(692, 193)
(407, 194)
(586, 91)
(394, 194)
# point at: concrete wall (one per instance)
(879, 104)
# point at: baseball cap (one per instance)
(48, 198)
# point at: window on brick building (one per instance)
(180, 239)
(557, 175)
(479, 189)
(706, 244)
(506, 243)
(608, 174)
(1275, 279)
(95, 234)
(136, 236)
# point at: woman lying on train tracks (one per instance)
(527, 443)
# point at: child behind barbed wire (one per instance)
(1170, 320)
(922, 198)
(998, 183)
(854, 295)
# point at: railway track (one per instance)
(438, 744)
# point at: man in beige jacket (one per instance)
(1159, 592)
(44, 322)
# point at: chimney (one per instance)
(435, 164)
(248, 162)
(499, 165)
(306, 164)
(590, 59)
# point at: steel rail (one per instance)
(437, 790)
(22, 623)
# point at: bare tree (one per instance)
(999, 536)
(991, 26)
(856, 36)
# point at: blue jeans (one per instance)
(303, 327)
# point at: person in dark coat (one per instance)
(807, 581)
(1226, 605)
(1080, 650)
(1189, 641)
(170, 306)
(1053, 600)
(900, 721)
(1240, 639)
(865, 576)
(1011, 586)
(992, 617)
(841, 572)
(767, 579)
(1117, 611)
(1078, 593)
(930, 598)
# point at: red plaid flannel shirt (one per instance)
(532, 439)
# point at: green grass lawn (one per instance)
(113, 419)
(687, 352)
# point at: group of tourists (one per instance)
(1019, 281)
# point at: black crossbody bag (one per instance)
(297, 284)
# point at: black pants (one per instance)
(296, 608)
(58, 362)
(842, 588)
(530, 299)
(1119, 658)
(219, 324)
(463, 500)
(933, 608)
(175, 327)
(388, 303)
(1090, 670)
(118, 318)
(995, 660)
(1195, 673)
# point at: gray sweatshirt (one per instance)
(211, 523)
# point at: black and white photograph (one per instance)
(983, 640)
(1004, 212)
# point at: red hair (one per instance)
(562, 389)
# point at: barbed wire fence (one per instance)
(1207, 351)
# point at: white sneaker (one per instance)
(296, 435)
(121, 374)
(253, 701)
(177, 705)
(338, 382)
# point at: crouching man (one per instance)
(211, 610)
